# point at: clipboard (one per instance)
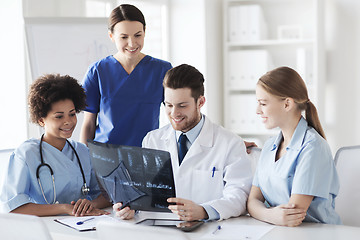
(88, 225)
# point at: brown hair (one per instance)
(52, 88)
(285, 82)
(185, 76)
(125, 12)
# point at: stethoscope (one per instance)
(84, 189)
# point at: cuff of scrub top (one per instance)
(211, 212)
(15, 202)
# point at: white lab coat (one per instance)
(227, 188)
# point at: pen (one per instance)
(213, 171)
(217, 229)
(82, 222)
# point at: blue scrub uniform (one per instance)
(21, 186)
(128, 106)
(307, 168)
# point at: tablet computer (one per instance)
(179, 224)
(138, 177)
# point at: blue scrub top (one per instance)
(128, 105)
(20, 185)
(307, 168)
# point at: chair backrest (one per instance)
(347, 203)
(4, 157)
(123, 230)
(254, 157)
(18, 226)
(4, 160)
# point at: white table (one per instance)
(304, 231)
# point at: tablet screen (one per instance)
(183, 225)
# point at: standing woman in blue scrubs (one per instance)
(124, 91)
(295, 179)
(47, 176)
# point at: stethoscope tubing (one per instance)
(84, 189)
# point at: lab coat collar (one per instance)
(193, 133)
(205, 137)
(204, 140)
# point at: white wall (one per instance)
(12, 65)
(343, 73)
(196, 39)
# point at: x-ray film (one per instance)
(138, 177)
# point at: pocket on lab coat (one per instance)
(207, 185)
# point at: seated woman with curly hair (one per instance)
(53, 175)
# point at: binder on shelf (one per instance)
(304, 65)
(233, 24)
(257, 26)
(243, 17)
(243, 117)
(246, 23)
(246, 67)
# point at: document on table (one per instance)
(238, 231)
(87, 223)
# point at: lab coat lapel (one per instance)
(204, 140)
(170, 143)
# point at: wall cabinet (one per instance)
(260, 35)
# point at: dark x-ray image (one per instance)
(138, 177)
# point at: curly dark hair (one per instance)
(51, 88)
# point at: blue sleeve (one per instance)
(315, 170)
(15, 189)
(92, 90)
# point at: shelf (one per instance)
(242, 90)
(260, 35)
(269, 43)
(256, 134)
(230, 2)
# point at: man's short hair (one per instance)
(185, 76)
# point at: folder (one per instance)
(246, 67)
(233, 24)
(257, 28)
(304, 65)
(246, 23)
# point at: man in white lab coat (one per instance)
(213, 179)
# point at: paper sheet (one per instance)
(237, 231)
(88, 225)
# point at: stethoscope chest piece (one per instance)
(85, 189)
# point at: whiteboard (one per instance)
(66, 45)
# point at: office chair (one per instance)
(4, 157)
(19, 226)
(109, 230)
(347, 160)
(254, 157)
(4, 160)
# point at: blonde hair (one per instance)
(285, 82)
